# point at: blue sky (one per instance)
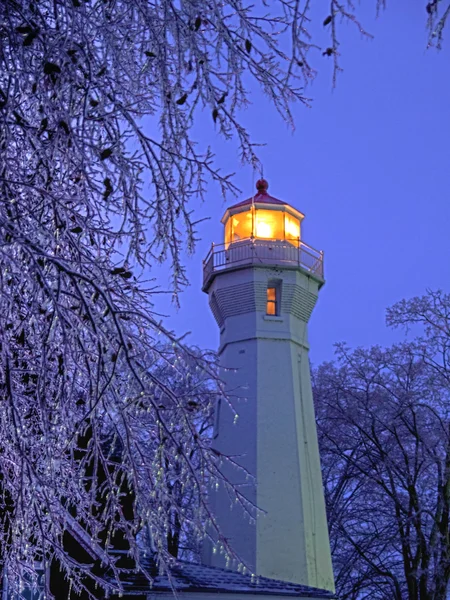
(368, 165)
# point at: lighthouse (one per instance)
(263, 282)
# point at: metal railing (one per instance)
(253, 251)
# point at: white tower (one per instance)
(263, 283)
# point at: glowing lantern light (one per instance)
(291, 227)
(263, 229)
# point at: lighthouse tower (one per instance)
(263, 283)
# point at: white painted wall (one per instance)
(275, 436)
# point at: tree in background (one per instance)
(384, 430)
(197, 394)
(175, 498)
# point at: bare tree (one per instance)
(384, 430)
(197, 394)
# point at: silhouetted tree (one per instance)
(384, 428)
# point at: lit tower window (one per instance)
(271, 301)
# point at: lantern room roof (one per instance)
(261, 197)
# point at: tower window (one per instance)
(272, 301)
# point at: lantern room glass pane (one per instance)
(291, 228)
(241, 226)
(269, 224)
(228, 232)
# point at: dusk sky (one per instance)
(368, 165)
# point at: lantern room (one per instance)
(263, 231)
(262, 217)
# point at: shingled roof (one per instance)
(196, 578)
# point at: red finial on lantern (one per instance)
(262, 186)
